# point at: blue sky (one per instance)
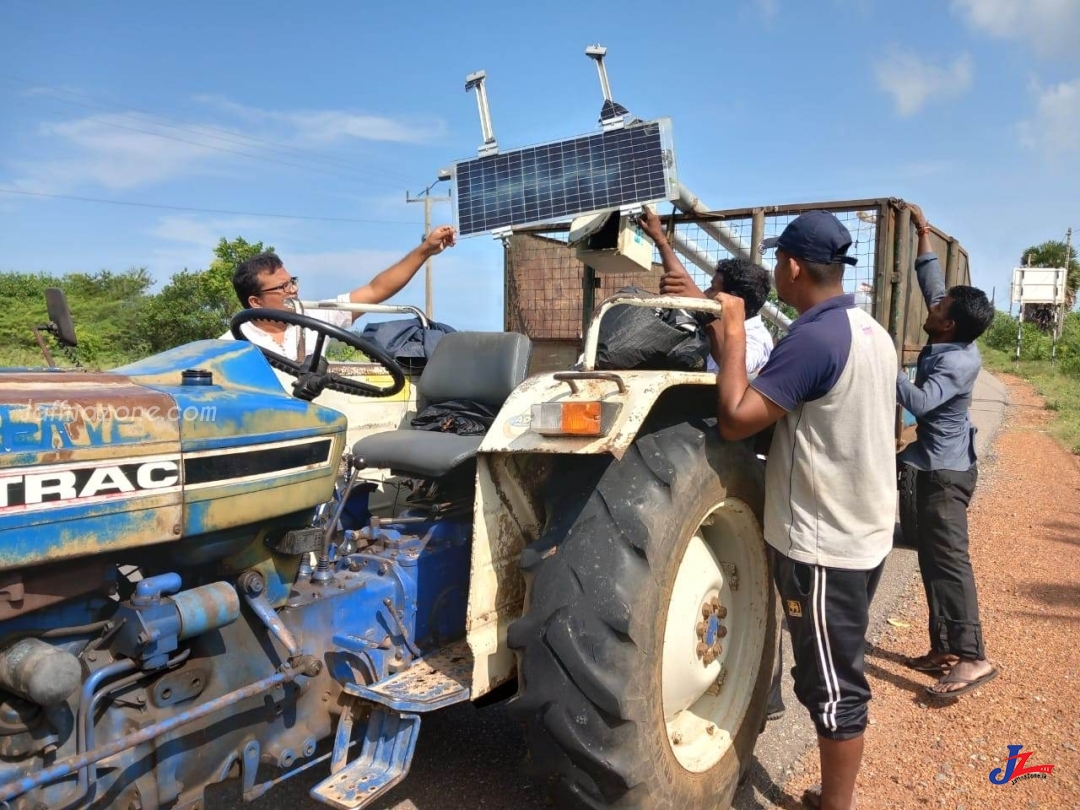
(332, 110)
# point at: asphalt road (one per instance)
(472, 758)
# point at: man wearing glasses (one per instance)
(262, 282)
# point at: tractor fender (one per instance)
(633, 392)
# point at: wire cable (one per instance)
(206, 210)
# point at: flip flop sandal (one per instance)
(925, 664)
(969, 685)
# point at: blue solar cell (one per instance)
(561, 180)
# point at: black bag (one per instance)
(407, 341)
(456, 416)
(653, 339)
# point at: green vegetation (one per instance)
(117, 318)
(1058, 380)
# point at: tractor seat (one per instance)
(475, 366)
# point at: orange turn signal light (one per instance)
(568, 418)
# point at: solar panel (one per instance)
(633, 165)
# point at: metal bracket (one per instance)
(612, 115)
(384, 760)
(475, 81)
(570, 377)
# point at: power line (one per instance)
(205, 210)
(204, 130)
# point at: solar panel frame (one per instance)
(557, 181)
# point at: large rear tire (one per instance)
(630, 695)
(909, 509)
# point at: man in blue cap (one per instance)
(830, 388)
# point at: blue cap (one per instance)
(816, 236)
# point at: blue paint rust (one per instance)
(245, 406)
(404, 597)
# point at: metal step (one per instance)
(389, 743)
(434, 682)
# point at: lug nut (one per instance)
(721, 612)
(721, 631)
(701, 648)
(701, 628)
(706, 611)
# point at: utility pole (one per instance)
(426, 198)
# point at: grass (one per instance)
(1060, 390)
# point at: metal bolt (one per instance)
(721, 631)
(710, 730)
(715, 602)
(701, 628)
(706, 611)
(701, 648)
(721, 612)
(709, 657)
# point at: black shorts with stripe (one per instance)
(828, 612)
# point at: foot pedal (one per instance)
(434, 682)
(389, 743)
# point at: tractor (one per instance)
(204, 573)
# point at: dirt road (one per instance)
(1025, 547)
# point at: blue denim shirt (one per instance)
(940, 398)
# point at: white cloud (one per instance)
(768, 7)
(324, 127)
(1051, 27)
(97, 151)
(1054, 127)
(913, 81)
(126, 150)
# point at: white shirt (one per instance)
(289, 347)
(759, 344)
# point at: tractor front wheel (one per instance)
(646, 646)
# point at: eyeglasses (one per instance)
(292, 285)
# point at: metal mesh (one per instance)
(858, 280)
(544, 297)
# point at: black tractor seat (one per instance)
(480, 367)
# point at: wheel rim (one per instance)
(714, 634)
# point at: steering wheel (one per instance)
(312, 373)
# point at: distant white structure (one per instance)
(1038, 285)
(1042, 289)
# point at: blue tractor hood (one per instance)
(144, 454)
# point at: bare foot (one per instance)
(812, 798)
(967, 674)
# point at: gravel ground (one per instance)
(1025, 539)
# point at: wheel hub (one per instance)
(710, 630)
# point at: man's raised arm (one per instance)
(927, 266)
(390, 281)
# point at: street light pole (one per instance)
(426, 198)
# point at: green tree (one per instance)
(1053, 254)
(198, 305)
(105, 310)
